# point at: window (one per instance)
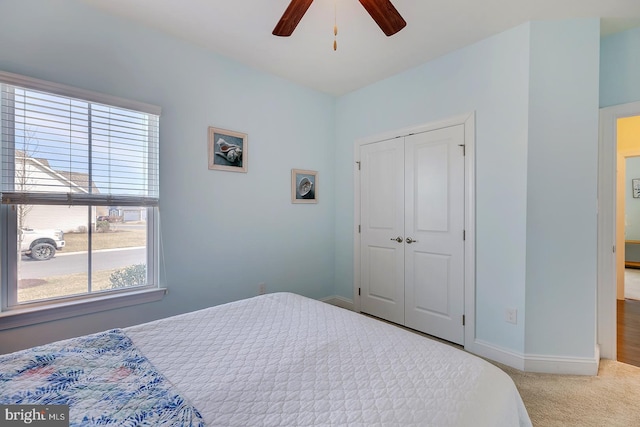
(79, 194)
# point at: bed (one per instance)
(274, 360)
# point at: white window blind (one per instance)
(75, 150)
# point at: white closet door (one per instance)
(382, 221)
(434, 224)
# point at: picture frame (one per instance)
(228, 150)
(635, 186)
(304, 186)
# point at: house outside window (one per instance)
(80, 191)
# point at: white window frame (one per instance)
(48, 310)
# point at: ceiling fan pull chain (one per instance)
(335, 24)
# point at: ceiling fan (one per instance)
(382, 11)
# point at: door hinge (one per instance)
(358, 165)
(359, 228)
(614, 249)
(463, 320)
(464, 149)
(464, 234)
(358, 291)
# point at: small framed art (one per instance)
(228, 150)
(635, 186)
(304, 186)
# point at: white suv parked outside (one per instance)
(41, 244)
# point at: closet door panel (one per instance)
(430, 187)
(434, 225)
(432, 277)
(382, 222)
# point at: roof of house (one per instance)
(79, 179)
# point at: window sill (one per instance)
(30, 316)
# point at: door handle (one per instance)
(410, 240)
(397, 239)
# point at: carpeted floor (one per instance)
(611, 399)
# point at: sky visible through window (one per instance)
(107, 143)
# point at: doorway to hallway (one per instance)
(619, 233)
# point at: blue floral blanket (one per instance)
(103, 378)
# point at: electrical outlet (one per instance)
(262, 288)
(511, 315)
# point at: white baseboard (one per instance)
(497, 354)
(563, 365)
(537, 362)
(339, 301)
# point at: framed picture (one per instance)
(304, 186)
(635, 185)
(228, 150)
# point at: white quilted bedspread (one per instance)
(286, 360)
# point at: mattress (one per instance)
(286, 360)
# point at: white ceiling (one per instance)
(241, 29)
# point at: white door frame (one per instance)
(607, 158)
(468, 121)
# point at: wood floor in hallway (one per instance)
(629, 331)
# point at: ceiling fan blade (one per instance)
(385, 15)
(289, 21)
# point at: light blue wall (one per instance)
(620, 68)
(536, 160)
(562, 188)
(490, 77)
(223, 232)
(631, 204)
